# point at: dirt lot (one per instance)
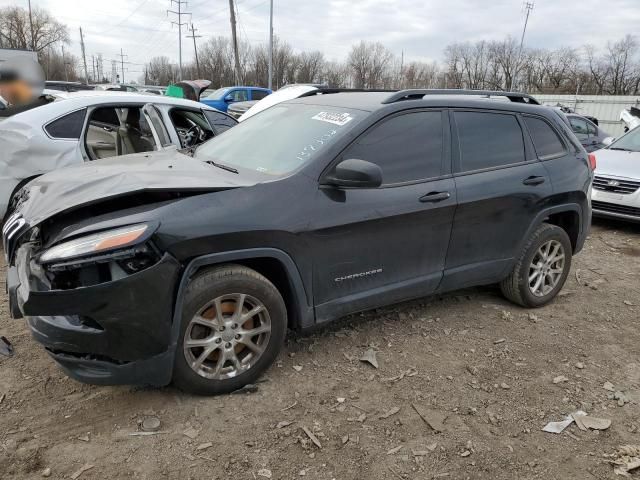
(483, 365)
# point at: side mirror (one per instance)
(228, 98)
(608, 141)
(354, 173)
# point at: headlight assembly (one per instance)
(95, 243)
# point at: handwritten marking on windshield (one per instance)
(315, 145)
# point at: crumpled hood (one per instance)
(93, 182)
(618, 163)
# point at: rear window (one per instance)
(545, 139)
(488, 140)
(67, 127)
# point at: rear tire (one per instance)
(541, 269)
(233, 325)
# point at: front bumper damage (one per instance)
(116, 332)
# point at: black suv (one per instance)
(190, 266)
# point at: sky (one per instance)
(418, 28)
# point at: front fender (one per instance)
(301, 298)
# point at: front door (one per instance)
(374, 246)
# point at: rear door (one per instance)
(501, 186)
(374, 246)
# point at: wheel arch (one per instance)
(276, 265)
(569, 217)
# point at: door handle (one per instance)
(433, 197)
(533, 180)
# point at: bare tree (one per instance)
(368, 63)
(336, 75)
(310, 67)
(505, 55)
(161, 71)
(15, 31)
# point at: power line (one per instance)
(179, 23)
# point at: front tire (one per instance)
(542, 268)
(233, 325)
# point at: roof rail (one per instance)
(417, 94)
(326, 90)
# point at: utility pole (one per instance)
(114, 71)
(271, 46)
(100, 68)
(64, 65)
(93, 68)
(179, 23)
(122, 55)
(84, 59)
(234, 37)
(528, 7)
(195, 48)
(33, 45)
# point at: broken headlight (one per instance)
(99, 257)
(95, 243)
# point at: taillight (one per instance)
(592, 161)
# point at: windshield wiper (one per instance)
(621, 149)
(222, 166)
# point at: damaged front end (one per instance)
(86, 267)
(101, 303)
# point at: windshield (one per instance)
(629, 142)
(218, 94)
(281, 139)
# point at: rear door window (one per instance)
(406, 147)
(488, 140)
(67, 127)
(258, 94)
(545, 140)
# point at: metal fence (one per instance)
(606, 108)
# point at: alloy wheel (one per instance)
(227, 336)
(546, 269)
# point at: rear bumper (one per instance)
(118, 332)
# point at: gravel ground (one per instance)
(476, 367)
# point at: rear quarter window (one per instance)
(545, 140)
(68, 126)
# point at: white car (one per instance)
(616, 186)
(630, 117)
(288, 92)
(92, 125)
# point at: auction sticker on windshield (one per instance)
(339, 119)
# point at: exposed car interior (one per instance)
(114, 131)
(191, 126)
